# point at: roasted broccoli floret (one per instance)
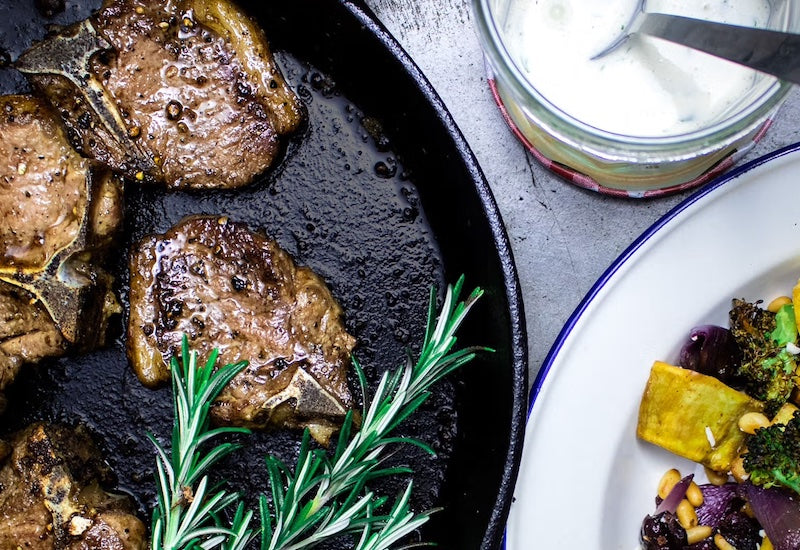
(773, 455)
(768, 370)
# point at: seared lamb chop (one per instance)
(186, 92)
(51, 495)
(58, 212)
(229, 288)
(27, 334)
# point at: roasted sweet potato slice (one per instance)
(693, 415)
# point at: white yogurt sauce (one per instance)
(647, 87)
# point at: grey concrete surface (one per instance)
(563, 237)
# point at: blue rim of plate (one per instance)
(576, 315)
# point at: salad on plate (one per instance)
(730, 405)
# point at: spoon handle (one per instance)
(773, 52)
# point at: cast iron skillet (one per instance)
(379, 194)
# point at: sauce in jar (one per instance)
(649, 118)
(646, 87)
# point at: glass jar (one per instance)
(609, 161)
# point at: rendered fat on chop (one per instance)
(236, 290)
(58, 213)
(181, 92)
(52, 496)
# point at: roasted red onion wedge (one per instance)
(778, 511)
(711, 350)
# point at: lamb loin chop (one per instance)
(51, 495)
(229, 288)
(58, 213)
(182, 92)
(27, 334)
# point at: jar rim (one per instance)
(615, 146)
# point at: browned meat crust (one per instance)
(43, 187)
(194, 97)
(229, 288)
(27, 333)
(51, 495)
(58, 212)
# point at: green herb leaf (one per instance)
(187, 513)
(785, 326)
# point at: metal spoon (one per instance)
(773, 52)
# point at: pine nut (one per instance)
(750, 422)
(766, 544)
(785, 413)
(694, 495)
(722, 544)
(700, 532)
(778, 303)
(716, 478)
(668, 482)
(687, 516)
(737, 470)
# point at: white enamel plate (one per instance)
(585, 480)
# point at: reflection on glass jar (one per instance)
(649, 118)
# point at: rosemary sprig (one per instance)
(188, 510)
(328, 496)
(324, 496)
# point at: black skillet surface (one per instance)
(381, 196)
